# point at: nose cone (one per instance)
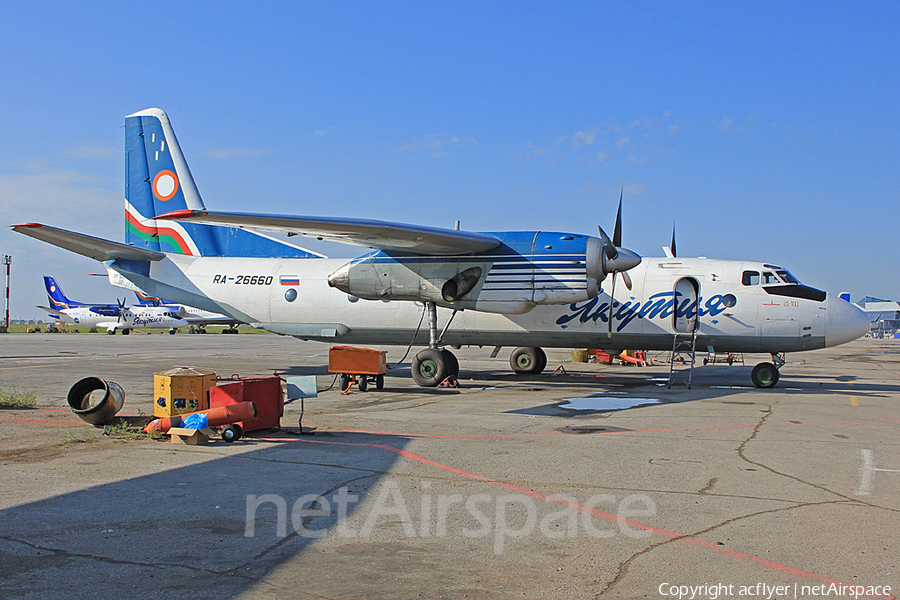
(624, 261)
(844, 322)
(340, 279)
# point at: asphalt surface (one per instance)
(492, 490)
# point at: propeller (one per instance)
(121, 318)
(613, 249)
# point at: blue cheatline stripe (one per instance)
(508, 287)
(541, 277)
(481, 258)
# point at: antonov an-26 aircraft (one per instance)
(524, 289)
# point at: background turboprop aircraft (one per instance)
(194, 316)
(111, 317)
(527, 289)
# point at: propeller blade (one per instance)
(672, 245)
(617, 232)
(627, 279)
(612, 295)
(608, 248)
(121, 310)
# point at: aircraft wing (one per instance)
(86, 245)
(373, 234)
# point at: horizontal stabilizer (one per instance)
(86, 245)
(398, 237)
(52, 311)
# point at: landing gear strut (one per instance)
(432, 366)
(765, 375)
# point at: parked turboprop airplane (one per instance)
(526, 289)
(112, 317)
(195, 317)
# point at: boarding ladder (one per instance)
(684, 350)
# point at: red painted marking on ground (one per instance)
(41, 421)
(682, 538)
(515, 435)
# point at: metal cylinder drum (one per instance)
(102, 411)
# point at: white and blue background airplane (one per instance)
(196, 317)
(441, 287)
(111, 317)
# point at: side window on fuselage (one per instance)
(769, 278)
(750, 278)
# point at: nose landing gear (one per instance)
(765, 375)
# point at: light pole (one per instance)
(7, 260)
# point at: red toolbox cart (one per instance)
(266, 392)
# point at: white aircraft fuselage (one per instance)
(772, 317)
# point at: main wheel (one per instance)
(345, 382)
(379, 382)
(126, 331)
(527, 361)
(764, 375)
(451, 362)
(362, 383)
(429, 368)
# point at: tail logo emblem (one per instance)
(165, 185)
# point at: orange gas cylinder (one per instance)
(223, 415)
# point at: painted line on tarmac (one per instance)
(41, 421)
(619, 432)
(683, 538)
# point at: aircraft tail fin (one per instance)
(158, 181)
(58, 300)
(147, 300)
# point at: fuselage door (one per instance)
(687, 294)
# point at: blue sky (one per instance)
(767, 131)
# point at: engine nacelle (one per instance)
(529, 269)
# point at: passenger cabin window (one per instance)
(770, 278)
(750, 278)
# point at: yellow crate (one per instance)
(181, 390)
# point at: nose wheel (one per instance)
(765, 375)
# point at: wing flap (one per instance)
(86, 245)
(384, 235)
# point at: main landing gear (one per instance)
(765, 375)
(527, 361)
(432, 366)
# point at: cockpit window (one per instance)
(750, 278)
(770, 278)
(787, 277)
